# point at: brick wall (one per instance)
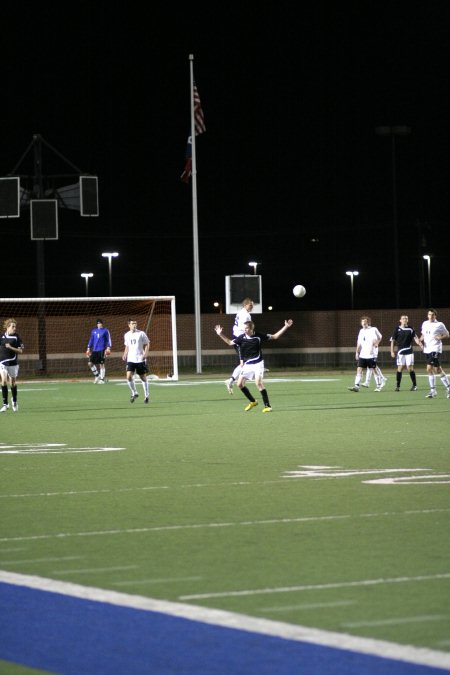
(326, 338)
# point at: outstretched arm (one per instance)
(219, 330)
(287, 324)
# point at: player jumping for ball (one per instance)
(251, 359)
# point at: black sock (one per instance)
(246, 393)
(412, 375)
(5, 394)
(14, 393)
(399, 378)
(265, 398)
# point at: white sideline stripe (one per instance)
(315, 587)
(201, 526)
(218, 617)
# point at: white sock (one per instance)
(444, 381)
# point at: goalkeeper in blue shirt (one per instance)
(99, 346)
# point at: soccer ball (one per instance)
(299, 291)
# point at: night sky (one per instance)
(291, 173)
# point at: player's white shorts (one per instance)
(12, 371)
(405, 360)
(253, 370)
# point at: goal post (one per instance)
(56, 331)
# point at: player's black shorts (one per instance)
(139, 368)
(367, 363)
(97, 357)
(433, 359)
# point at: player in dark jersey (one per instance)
(11, 346)
(404, 336)
(251, 359)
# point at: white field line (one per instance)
(143, 582)
(95, 569)
(307, 606)
(87, 492)
(397, 621)
(39, 560)
(216, 617)
(202, 526)
(437, 479)
(272, 380)
(315, 587)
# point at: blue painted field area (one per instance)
(65, 634)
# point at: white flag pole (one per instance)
(198, 332)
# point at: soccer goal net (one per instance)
(55, 333)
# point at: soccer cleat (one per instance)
(251, 405)
(101, 380)
(413, 388)
(397, 388)
(133, 396)
(15, 406)
(4, 408)
(146, 399)
(267, 409)
(377, 389)
(355, 388)
(431, 394)
(383, 382)
(229, 385)
(364, 384)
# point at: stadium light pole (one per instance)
(87, 276)
(218, 306)
(110, 256)
(352, 274)
(393, 132)
(428, 259)
(254, 265)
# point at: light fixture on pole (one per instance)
(428, 259)
(87, 276)
(393, 132)
(254, 265)
(218, 306)
(110, 256)
(352, 274)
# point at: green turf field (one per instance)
(332, 511)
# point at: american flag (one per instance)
(199, 123)
(198, 113)
(187, 173)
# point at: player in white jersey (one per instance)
(433, 332)
(369, 337)
(239, 329)
(380, 379)
(135, 354)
